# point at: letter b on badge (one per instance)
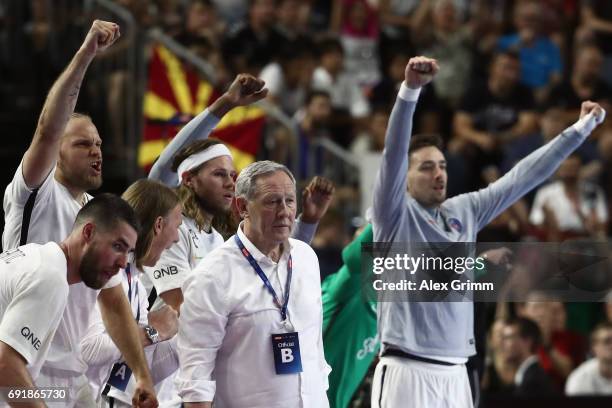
(286, 355)
(286, 351)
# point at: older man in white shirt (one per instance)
(250, 326)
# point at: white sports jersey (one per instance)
(48, 214)
(33, 292)
(38, 215)
(176, 263)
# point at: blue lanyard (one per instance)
(264, 278)
(129, 278)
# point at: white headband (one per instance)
(198, 158)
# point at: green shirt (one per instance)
(349, 325)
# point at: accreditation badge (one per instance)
(286, 350)
(120, 376)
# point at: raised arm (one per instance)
(390, 186)
(316, 198)
(122, 328)
(43, 152)
(535, 168)
(245, 90)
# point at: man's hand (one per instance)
(101, 35)
(499, 257)
(420, 71)
(144, 396)
(316, 198)
(588, 107)
(165, 321)
(245, 90)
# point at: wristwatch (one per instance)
(152, 334)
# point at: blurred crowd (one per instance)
(512, 76)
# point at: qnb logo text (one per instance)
(161, 272)
(31, 337)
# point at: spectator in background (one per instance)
(559, 350)
(170, 16)
(293, 18)
(251, 46)
(356, 21)
(499, 374)
(350, 106)
(331, 76)
(202, 20)
(232, 11)
(570, 207)
(372, 138)
(585, 83)
(520, 340)
(541, 66)
(596, 26)
(367, 148)
(312, 124)
(328, 242)
(288, 80)
(594, 377)
(437, 31)
(494, 114)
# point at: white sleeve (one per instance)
(536, 216)
(272, 76)
(164, 360)
(173, 265)
(573, 385)
(34, 313)
(304, 231)
(204, 315)
(143, 299)
(359, 104)
(97, 347)
(199, 128)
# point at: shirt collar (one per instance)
(520, 372)
(256, 253)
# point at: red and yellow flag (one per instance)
(175, 94)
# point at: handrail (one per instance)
(183, 52)
(120, 11)
(133, 87)
(337, 151)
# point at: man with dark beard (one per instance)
(34, 282)
(41, 203)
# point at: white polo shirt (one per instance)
(569, 217)
(226, 323)
(587, 380)
(176, 262)
(33, 293)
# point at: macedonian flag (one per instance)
(175, 94)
